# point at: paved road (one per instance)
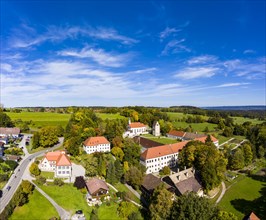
(226, 142)
(16, 178)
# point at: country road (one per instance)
(16, 178)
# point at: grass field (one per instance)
(47, 175)
(40, 119)
(199, 127)
(241, 120)
(109, 116)
(162, 140)
(38, 207)
(242, 196)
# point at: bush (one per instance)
(83, 190)
(41, 180)
(58, 182)
(12, 164)
(3, 177)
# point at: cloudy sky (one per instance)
(118, 53)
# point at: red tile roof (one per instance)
(60, 157)
(9, 131)
(92, 141)
(162, 150)
(203, 139)
(252, 216)
(137, 125)
(177, 133)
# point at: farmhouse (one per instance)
(135, 129)
(96, 144)
(57, 162)
(9, 132)
(176, 134)
(96, 187)
(185, 181)
(155, 158)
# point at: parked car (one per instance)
(8, 188)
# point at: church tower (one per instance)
(156, 129)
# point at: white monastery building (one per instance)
(96, 144)
(57, 162)
(156, 158)
(135, 129)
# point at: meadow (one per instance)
(41, 119)
(33, 209)
(104, 116)
(242, 196)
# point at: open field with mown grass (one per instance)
(178, 115)
(162, 140)
(38, 207)
(241, 120)
(41, 119)
(242, 196)
(199, 127)
(109, 116)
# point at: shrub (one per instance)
(41, 180)
(58, 182)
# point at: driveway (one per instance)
(77, 170)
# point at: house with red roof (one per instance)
(135, 129)
(57, 162)
(96, 144)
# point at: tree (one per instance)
(111, 176)
(101, 166)
(161, 203)
(72, 145)
(132, 152)
(79, 182)
(27, 187)
(36, 140)
(118, 170)
(248, 155)
(135, 216)
(222, 215)
(237, 160)
(20, 197)
(41, 180)
(192, 207)
(134, 177)
(228, 132)
(165, 171)
(125, 209)
(34, 169)
(48, 137)
(5, 120)
(118, 153)
(208, 141)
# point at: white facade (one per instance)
(156, 129)
(156, 164)
(63, 171)
(97, 148)
(46, 165)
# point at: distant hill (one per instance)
(242, 108)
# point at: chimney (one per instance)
(185, 167)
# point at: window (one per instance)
(59, 172)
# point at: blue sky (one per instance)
(119, 53)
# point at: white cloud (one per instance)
(99, 56)
(175, 46)
(231, 85)
(27, 37)
(196, 72)
(204, 59)
(167, 32)
(141, 71)
(249, 51)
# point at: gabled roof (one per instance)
(146, 143)
(9, 131)
(192, 136)
(94, 184)
(63, 160)
(203, 139)
(163, 150)
(251, 216)
(137, 125)
(189, 185)
(177, 133)
(92, 141)
(150, 182)
(59, 157)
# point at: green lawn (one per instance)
(47, 175)
(40, 119)
(38, 207)
(109, 116)
(200, 127)
(241, 120)
(68, 197)
(122, 188)
(243, 196)
(162, 140)
(108, 212)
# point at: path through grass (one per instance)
(38, 207)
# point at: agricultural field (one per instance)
(41, 119)
(33, 209)
(104, 116)
(242, 196)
